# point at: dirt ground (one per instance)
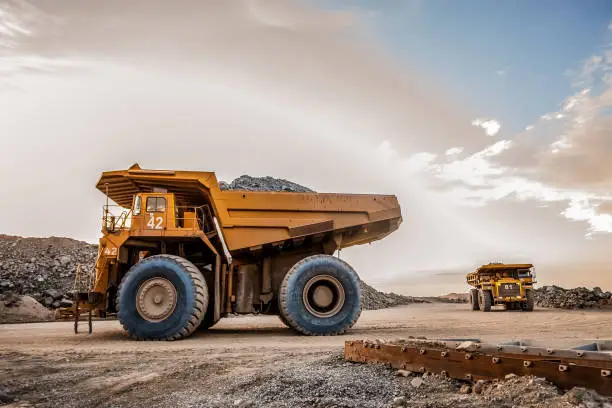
(256, 361)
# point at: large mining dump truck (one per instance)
(181, 253)
(495, 284)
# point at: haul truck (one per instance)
(182, 254)
(510, 285)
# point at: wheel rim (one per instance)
(323, 296)
(156, 299)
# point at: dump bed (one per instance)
(251, 219)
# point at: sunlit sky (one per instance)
(489, 120)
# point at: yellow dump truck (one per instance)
(502, 284)
(178, 253)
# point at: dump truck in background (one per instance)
(181, 253)
(510, 285)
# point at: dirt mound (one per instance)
(18, 309)
(456, 297)
(372, 299)
(43, 268)
(248, 183)
(577, 298)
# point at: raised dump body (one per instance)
(510, 285)
(178, 253)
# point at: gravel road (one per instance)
(255, 361)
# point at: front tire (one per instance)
(474, 299)
(319, 296)
(162, 297)
(485, 299)
(529, 304)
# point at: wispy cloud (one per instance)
(573, 168)
(491, 126)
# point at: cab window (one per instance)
(524, 273)
(137, 205)
(156, 204)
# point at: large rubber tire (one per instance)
(291, 303)
(282, 318)
(207, 322)
(529, 304)
(474, 299)
(191, 298)
(484, 300)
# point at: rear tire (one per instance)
(474, 299)
(320, 296)
(162, 297)
(207, 322)
(485, 299)
(529, 304)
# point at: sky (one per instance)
(489, 120)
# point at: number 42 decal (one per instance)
(155, 222)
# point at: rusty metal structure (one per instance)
(177, 253)
(587, 366)
(510, 285)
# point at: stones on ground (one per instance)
(576, 298)
(510, 376)
(465, 389)
(42, 267)
(403, 373)
(53, 293)
(399, 402)
(479, 386)
(417, 382)
(372, 299)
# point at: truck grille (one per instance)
(509, 289)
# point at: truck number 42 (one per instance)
(155, 222)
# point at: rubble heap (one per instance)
(577, 298)
(371, 299)
(43, 268)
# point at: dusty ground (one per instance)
(256, 361)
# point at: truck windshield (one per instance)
(156, 204)
(524, 273)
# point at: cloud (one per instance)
(564, 158)
(491, 126)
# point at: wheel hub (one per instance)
(156, 299)
(323, 296)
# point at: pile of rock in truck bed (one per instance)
(577, 298)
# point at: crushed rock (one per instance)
(576, 298)
(333, 382)
(18, 309)
(43, 268)
(248, 183)
(372, 299)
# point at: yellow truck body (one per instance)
(241, 244)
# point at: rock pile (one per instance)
(248, 183)
(372, 299)
(43, 268)
(577, 298)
